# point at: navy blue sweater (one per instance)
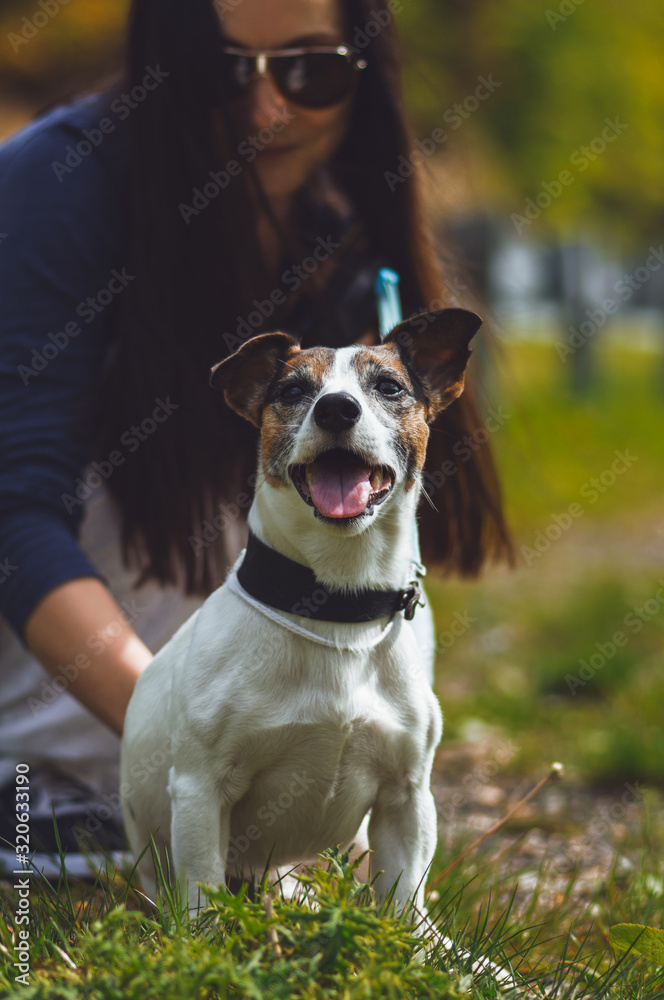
(61, 266)
(61, 274)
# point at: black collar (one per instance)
(289, 586)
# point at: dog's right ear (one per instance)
(246, 376)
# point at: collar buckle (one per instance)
(411, 599)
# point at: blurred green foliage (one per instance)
(563, 70)
(556, 442)
(48, 50)
(539, 663)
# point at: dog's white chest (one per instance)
(313, 781)
(296, 738)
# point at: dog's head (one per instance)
(346, 430)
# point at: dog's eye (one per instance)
(291, 393)
(388, 387)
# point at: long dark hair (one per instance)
(181, 494)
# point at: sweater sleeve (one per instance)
(58, 252)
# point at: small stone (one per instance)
(489, 795)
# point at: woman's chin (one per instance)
(279, 179)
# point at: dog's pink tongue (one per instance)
(340, 490)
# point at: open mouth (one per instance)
(341, 485)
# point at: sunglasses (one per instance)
(314, 77)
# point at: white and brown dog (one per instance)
(293, 701)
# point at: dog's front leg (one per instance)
(402, 837)
(200, 832)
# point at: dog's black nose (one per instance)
(337, 411)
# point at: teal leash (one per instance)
(389, 303)
(389, 316)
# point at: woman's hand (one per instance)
(58, 633)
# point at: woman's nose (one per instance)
(264, 102)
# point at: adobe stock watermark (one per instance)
(219, 180)
(422, 317)
(600, 825)
(121, 107)
(464, 449)
(227, 514)
(308, 604)
(141, 772)
(362, 36)
(455, 116)
(565, 10)
(88, 310)
(6, 570)
(459, 626)
(453, 286)
(581, 159)
(480, 775)
(633, 621)
(22, 916)
(132, 438)
(31, 26)
(96, 642)
(597, 317)
(591, 491)
(379, 19)
(222, 7)
(268, 815)
(291, 279)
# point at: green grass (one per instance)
(331, 940)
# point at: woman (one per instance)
(223, 188)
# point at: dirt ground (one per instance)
(567, 826)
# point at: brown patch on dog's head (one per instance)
(246, 376)
(267, 381)
(304, 371)
(309, 367)
(435, 349)
(406, 412)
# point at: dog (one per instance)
(293, 702)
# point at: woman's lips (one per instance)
(276, 150)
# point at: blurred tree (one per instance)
(579, 92)
(50, 48)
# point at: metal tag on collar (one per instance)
(412, 599)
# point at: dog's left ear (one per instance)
(246, 376)
(435, 348)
